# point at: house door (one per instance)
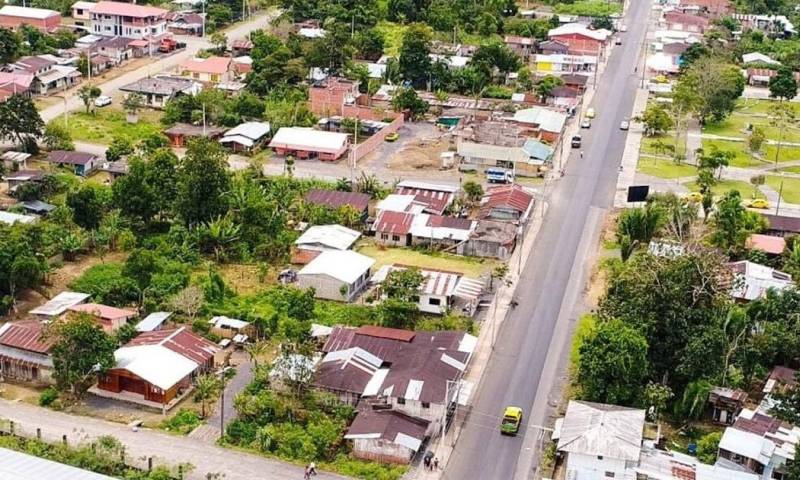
(131, 385)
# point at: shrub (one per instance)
(47, 397)
(106, 284)
(707, 447)
(183, 422)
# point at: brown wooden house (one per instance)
(157, 368)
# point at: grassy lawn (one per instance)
(794, 169)
(743, 158)
(668, 139)
(723, 187)
(791, 187)
(471, 267)
(752, 106)
(110, 122)
(663, 168)
(594, 8)
(736, 125)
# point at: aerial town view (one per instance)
(400, 240)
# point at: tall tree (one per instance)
(203, 180)
(613, 364)
(414, 61)
(81, 353)
(9, 45)
(716, 85)
(87, 206)
(20, 120)
(783, 85)
(733, 223)
(88, 94)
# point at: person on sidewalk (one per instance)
(436, 463)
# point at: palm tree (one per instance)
(255, 350)
(219, 234)
(206, 387)
(635, 227)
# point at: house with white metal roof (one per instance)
(440, 290)
(327, 237)
(21, 466)
(752, 281)
(306, 143)
(245, 136)
(336, 274)
(600, 441)
(10, 218)
(60, 304)
(153, 322)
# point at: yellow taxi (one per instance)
(512, 418)
(759, 203)
(694, 197)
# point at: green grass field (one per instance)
(791, 187)
(648, 144)
(663, 168)
(108, 123)
(469, 266)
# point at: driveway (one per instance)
(210, 431)
(165, 449)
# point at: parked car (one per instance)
(102, 101)
(576, 141)
(624, 125)
(589, 113)
(392, 137)
(618, 41)
(623, 28)
(586, 123)
(759, 203)
(694, 197)
(512, 418)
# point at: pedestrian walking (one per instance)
(581, 154)
(306, 473)
(427, 463)
(436, 463)
(312, 469)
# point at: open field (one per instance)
(791, 187)
(664, 168)
(724, 186)
(471, 267)
(110, 122)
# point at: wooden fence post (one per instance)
(149, 463)
(64, 439)
(38, 433)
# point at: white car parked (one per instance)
(102, 101)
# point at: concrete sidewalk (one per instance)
(630, 158)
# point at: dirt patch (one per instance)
(419, 154)
(606, 249)
(245, 279)
(59, 279)
(22, 393)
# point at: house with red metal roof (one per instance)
(511, 203)
(393, 228)
(156, 368)
(434, 196)
(24, 352)
(110, 318)
(81, 162)
(119, 19)
(335, 199)
(685, 22)
(409, 371)
(386, 436)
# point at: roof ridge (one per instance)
(171, 336)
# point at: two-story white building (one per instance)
(140, 22)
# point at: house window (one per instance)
(384, 236)
(395, 238)
(599, 457)
(434, 301)
(401, 401)
(609, 474)
(426, 405)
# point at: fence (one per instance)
(74, 439)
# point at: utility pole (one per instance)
(203, 28)
(780, 194)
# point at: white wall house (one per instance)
(128, 20)
(602, 442)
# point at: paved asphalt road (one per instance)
(536, 329)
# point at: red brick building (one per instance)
(13, 17)
(580, 39)
(326, 98)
